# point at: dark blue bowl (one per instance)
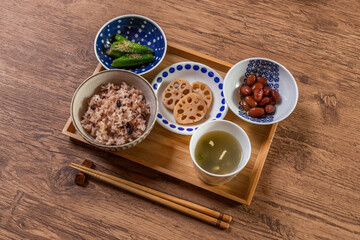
(137, 29)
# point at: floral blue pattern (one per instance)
(265, 69)
(245, 115)
(136, 29)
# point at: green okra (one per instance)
(133, 59)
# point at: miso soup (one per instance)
(218, 152)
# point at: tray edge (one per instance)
(259, 164)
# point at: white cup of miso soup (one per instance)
(219, 150)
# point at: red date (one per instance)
(270, 109)
(275, 96)
(257, 85)
(262, 80)
(251, 79)
(267, 91)
(258, 94)
(264, 101)
(256, 112)
(245, 90)
(257, 98)
(245, 105)
(249, 100)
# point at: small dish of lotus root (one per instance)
(189, 94)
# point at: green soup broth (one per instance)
(218, 152)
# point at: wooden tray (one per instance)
(171, 155)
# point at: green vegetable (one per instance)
(127, 53)
(132, 59)
(200, 157)
(122, 46)
(114, 53)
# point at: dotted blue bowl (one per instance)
(192, 72)
(137, 29)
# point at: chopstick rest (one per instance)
(80, 177)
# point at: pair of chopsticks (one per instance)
(202, 213)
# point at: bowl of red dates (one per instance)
(260, 91)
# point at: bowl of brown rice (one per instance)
(114, 109)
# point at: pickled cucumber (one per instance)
(132, 59)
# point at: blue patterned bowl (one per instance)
(278, 77)
(137, 29)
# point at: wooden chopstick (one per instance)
(202, 209)
(181, 205)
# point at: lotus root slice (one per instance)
(190, 109)
(204, 91)
(176, 90)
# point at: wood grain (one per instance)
(309, 187)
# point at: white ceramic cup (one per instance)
(234, 130)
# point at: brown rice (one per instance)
(117, 115)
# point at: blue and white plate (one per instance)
(137, 29)
(192, 72)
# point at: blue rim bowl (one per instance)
(137, 29)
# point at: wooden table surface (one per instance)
(309, 187)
